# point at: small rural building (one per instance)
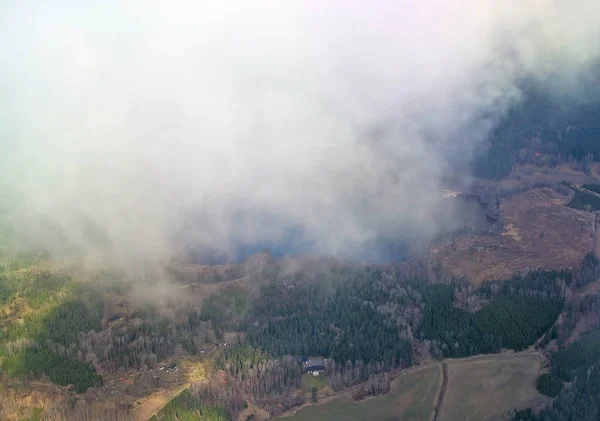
(172, 368)
(314, 365)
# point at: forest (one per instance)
(585, 201)
(577, 363)
(60, 370)
(592, 187)
(513, 322)
(542, 124)
(362, 319)
(343, 325)
(551, 284)
(549, 385)
(573, 360)
(37, 346)
(354, 317)
(189, 407)
(257, 374)
(350, 314)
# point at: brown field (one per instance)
(19, 402)
(155, 403)
(484, 388)
(481, 388)
(539, 232)
(255, 413)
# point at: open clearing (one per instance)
(309, 381)
(539, 232)
(412, 398)
(483, 388)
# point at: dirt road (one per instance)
(155, 403)
(441, 394)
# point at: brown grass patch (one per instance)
(19, 400)
(155, 403)
(484, 388)
(513, 232)
(253, 410)
(412, 398)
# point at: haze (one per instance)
(133, 130)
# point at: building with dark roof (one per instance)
(316, 364)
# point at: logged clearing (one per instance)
(413, 398)
(484, 388)
(540, 232)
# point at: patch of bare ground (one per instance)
(564, 172)
(155, 403)
(17, 401)
(564, 168)
(206, 274)
(210, 289)
(584, 324)
(592, 288)
(540, 232)
(255, 413)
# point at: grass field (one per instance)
(412, 398)
(483, 388)
(309, 381)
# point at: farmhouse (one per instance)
(316, 365)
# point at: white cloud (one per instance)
(333, 116)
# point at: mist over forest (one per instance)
(236, 210)
(140, 131)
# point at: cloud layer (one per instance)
(130, 129)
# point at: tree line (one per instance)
(38, 347)
(344, 318)
(36, 361)
(257, 374)
(579, 364)
(513, 322)
(541, 125)
(190, 407)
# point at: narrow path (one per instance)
(51, 386)
(155, 403)
(440, 402)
